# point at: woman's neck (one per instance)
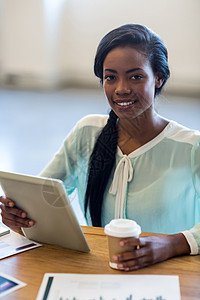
(134, 133)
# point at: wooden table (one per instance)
(31, 265)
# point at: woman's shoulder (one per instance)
(181, 133)
(93, 120)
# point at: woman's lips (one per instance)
(124, 104)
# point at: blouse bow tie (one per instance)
(123, 174)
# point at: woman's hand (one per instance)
(150, 250)
(12, 216)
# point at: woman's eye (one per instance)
(109, 77)
(136, 77)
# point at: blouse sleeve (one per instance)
(195, 231)
(193, 235)
(195, 166)
(193, 238)
(63, 164)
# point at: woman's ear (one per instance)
(158, 80)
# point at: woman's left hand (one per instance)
(151, 249)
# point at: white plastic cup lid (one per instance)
(122, 228)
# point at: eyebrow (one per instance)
(128, 71)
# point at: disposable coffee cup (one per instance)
(118, 230)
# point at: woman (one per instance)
(133, 164)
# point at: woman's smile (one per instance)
(125, 104)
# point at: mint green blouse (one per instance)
(157, 185)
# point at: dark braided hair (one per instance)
(101, 163)
(102, 159)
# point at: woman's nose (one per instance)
(122, 88)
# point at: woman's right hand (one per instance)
(12, 216)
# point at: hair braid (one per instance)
(101, 164)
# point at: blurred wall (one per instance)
(48, 43)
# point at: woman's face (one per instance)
(129, 82)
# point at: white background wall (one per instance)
(46, 42)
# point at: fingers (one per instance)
(133, 260)
(133, 265)
(15, 222)
(13, 210)
(132, 242)
(12, 216)
(8, 206)
(129, 255)
(137, 258)
(6, 201)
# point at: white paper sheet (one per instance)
(109, 287)
(9, 284)
(13, 243)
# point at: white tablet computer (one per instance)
(46, 202)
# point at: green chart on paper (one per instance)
(110, 287)
(126, 298)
